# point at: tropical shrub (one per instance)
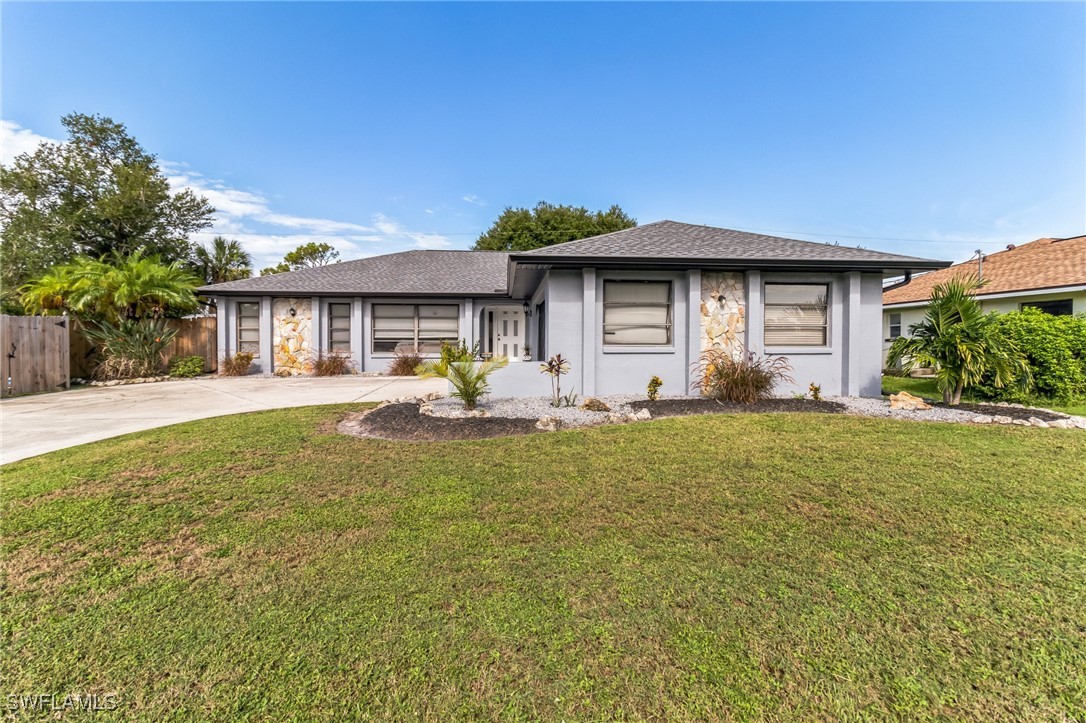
(1054, 348)
(130, 348)
(112, 289)
(468, 378)
(404, 364)
(186, 366)
(654, 388)
(741, 377)
(235, 365)
(458, 352)
(961, 342)
(332, 364)
(815, 390)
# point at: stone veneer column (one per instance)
(293, 336)
(722, 309)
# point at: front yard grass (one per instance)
(730, 567)
(926, 388)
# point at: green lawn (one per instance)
(263, 567)
(926, 388)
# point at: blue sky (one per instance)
(927, 129)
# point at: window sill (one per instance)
(639, 350)
(797, 350)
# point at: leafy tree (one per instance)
(961, 342)
(132, 287)
(306, 256)
(224, 260)
(97, 194)
(523, 229)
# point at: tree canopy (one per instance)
(97, 194)
(306, 256)
(524, 229)
(223, 260)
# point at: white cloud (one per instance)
(473, 199)
(394, 230)
(16, 140)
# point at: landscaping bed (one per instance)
(1014, 411)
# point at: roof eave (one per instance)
(885, 266)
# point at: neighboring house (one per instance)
(621, 307)
(1049, 274)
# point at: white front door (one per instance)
(507, 332)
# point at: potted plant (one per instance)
(526, 354)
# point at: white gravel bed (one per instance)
(872, 407)
(540, 407)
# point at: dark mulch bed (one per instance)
(403, 422)
(1012, 412)
(681, 407)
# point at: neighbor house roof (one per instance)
(408, 273)
(684, 242)
(1046, 263)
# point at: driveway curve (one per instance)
(41, 423)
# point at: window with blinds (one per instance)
(637, 313)
(414, 327)
(796, 315)
(248, 332)
(339, 327)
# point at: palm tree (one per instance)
(960, 341)
(112, 289)
(225, 260)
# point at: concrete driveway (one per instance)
(43, 423)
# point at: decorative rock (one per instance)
(1020, 422)
(426, 408)
(643, 414)
(1061, 424)
(982, 419)
(1036, 422)
(592, 404)
(615, 418)
(904, 400)
(549, 424)
(1079, 422)
(1001, 419)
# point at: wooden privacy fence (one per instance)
(196, 336)
(35, 353)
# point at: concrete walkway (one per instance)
(43, 423)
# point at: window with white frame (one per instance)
(248, 337)
(796, 315)
(414, 327)
(637, 313)
(895, 326)
(339, 327)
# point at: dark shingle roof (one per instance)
(682, 241)
(406, 273)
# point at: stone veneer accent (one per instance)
(723, 314)
(291, 336)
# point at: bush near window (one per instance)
(1055, 350)
(743, 378)
(404, 364)
(332, 364)
(186, 366)
(236, 365)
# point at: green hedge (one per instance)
(1055, 347)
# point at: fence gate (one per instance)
(35, 354)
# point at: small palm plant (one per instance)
(960, 341)
(556, 366)
(223, 260)
(468, 378)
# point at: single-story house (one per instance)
(621, 307)
(1048, 274)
